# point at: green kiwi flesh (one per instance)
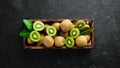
(38, 26)
(69, 42)
(35, 36)
(74, 32)
(80, 24)
(51, 31)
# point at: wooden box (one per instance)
(50, 21)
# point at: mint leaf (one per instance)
(28, 24)
(84, 29)
(86, 32)
(25, 33)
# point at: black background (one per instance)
(105, 13)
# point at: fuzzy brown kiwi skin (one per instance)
(73, 26)
(44, 31)
(41, 41)
(46, 25)
(59, 41)
(57, 26)
(87, 37)
(48, 41)
(66, 25)
(29, 42)
(64, 34)
(81, 41)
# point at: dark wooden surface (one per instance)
(105, 13)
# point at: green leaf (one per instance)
(86, 32)
(84, 29)
(28, 24)
(25, 33)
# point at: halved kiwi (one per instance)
(80, 24)
(69, 42)
(51, 31)
(74, 32)
(38, 26)
(35, 36)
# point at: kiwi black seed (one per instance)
(35, 36)
(51, 31)
(74, 32)
(38, 26)
(69, 42)
(80, 24)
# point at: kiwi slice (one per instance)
(69, 42)
(35, 36)
(80, 24)
(74, 32)
(38, 26)
(51, 30)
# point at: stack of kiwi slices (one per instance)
(62, 34)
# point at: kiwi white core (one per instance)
(39, 26)
(79, 25)
(69, 42)
(74, 33)
(34, 35)
(51, 31)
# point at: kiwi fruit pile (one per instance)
(66, 33)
